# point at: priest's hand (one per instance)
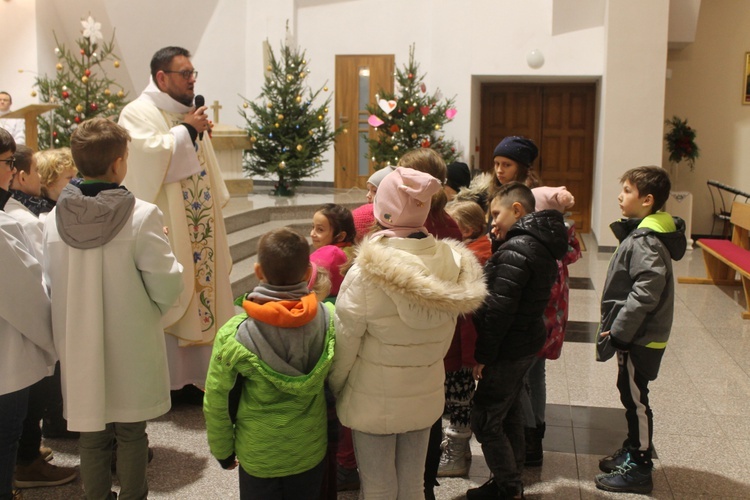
(198, 119)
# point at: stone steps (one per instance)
(246, 226)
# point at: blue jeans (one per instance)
(497, 418)
(534, 395)
(12, 413)
(302, 486)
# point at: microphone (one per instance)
(200, 101)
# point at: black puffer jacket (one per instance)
(519, 277)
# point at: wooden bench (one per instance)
(724, 259)
(722, 199)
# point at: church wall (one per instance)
(706, 87)
(458, 45)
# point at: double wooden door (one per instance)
(560, 119)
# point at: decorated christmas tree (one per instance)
(288, 132)
(81, 86)
(410, 119)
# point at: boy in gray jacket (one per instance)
(637, 310)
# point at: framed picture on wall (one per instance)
(746, 81)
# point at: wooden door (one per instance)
(567, 145)
(358, 79)
(559, 118)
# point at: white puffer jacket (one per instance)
(395, 316)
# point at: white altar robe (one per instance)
(164, 168)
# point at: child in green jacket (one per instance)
(282, 347)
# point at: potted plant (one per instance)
(680, 139)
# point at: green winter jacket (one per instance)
(280, 428)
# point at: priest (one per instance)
(172, 164)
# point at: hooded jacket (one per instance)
(112, 276)
(519, 276)
(283, 351)
(638, 296)
(395, 316)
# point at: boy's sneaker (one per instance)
(40, 473)
(614, 461)
(628, 478)
(493, 490)
(346, 479)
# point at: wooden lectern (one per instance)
(29, 114)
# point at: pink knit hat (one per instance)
(403, 200)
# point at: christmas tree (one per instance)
(289, 134)
(81, 87)
(412, 119)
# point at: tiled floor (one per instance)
(701, 403)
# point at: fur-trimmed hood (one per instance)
(477, 191)
(426, 278)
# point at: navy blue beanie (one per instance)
(519, 149)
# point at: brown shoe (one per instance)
(40, 473)
(46, 453)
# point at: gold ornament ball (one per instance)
(299, 147)
(244, 105)
(320, 117)
(270, 105)
(106, 91)
(59, 67)
(395, 148)
(121, 94)
(111, 105)
(116, 64)
(253, 138)
(276, 124)
(280, 117)
(325, 110)
(304, 62)
(269, 68)
(79, 109)
(310, 132)
(346, 130)
(33, 93)
(298, 99)
(437, 127)
(289, 78)
(413, 136)
(302, 74)
(282, 165)
(85, 79)
(325, 89)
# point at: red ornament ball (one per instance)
(411, 76)
(54, 133)
(87, 72)
(410, 109)
(94, 106)
(394, 128)
(83, 51)
(65, 95)
(426, 143)
(77, 119)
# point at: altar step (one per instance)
(245, 226)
